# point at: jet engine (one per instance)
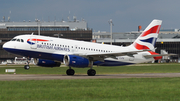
(76, 61)
(46, 63)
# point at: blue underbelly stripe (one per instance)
(59, 57)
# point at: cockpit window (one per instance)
(22, 40)
(13, 40)
(18, 40)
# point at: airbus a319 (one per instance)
(51, 51)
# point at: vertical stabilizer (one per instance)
(148, 37)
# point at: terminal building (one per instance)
(76, 30)
(168, 40)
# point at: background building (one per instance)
(168, 39)
(76, 30)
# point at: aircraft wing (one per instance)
(115, 53)
(150, 56)
(101, 56)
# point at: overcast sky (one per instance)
(126, 14)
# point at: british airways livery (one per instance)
(50, 51)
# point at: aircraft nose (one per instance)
(5, 45)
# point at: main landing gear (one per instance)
(70, 71)
(90, 72)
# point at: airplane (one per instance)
(51, 51)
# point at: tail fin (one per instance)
(149, 36)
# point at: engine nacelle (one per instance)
(46, 63)
(76, 61)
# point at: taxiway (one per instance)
(9, 77)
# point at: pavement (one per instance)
(15, 77)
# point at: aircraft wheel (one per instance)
(26, 67)
(91, 72)
(70, 72)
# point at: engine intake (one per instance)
(76, 61)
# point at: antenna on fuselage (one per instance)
(32, 33)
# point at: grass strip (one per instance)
(134, 69)
(131, 89)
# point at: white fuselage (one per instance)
(55, 48)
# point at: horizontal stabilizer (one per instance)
(150, 56)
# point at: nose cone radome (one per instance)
(6, 45)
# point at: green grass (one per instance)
(127, 89)
(131, 89)
(146, 68)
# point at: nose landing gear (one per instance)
(27, 67)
